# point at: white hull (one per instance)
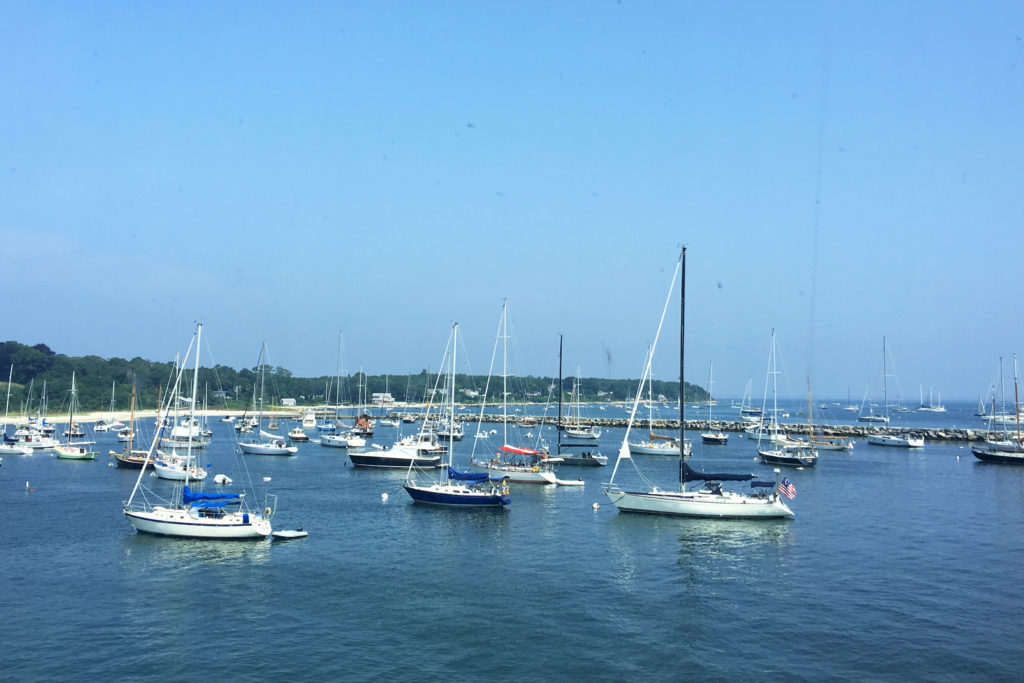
(724, 505)
(188, 524)
(658, 448)
(10, 449)
(897, 441)
(517, 474)
(175, 472)
(256, 448)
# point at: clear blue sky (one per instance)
(839, 171)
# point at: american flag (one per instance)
(787, 489)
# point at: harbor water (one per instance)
(899, 565)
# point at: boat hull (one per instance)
(392, 460)
(184, 523)
(896, 441)
(584, 460)
(1000, 456)
(787, 459)
(267, 449)
(455, 496)
(727, 505)
(520, 474)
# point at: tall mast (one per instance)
(192, 408)
(10, 375)
(451, 411)
(71, 411)
(885, 385)
(1016, 398)
(558, 429)
(682, 384)
(504, 369)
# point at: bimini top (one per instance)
(687, 473)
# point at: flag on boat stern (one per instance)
(787, 489)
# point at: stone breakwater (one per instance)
(838, 431)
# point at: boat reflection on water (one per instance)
(181, 556)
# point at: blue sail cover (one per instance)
(762, 484)
(206, 504)
(191, 496)
(467, 476)
(687, 473)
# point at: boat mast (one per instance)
(71, 411)
(885, 386)
(10, 375)
(682, 374)
(1016, 398)
(192, 408)
(504, 369)
(451, 408)
(559, 428)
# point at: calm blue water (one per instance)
(898, 565)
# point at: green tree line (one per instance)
(36, 367)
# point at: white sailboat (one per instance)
(576, 429)
(265, 443)
(522, 465)
(710, 499)
(657, 444)
(194, 514)
(8, 445)
(74, 450)
(890, 438)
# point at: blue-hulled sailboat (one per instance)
(455, 488)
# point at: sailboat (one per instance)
(710, 500)
(590, 458)
(73, 450)
(522, 465)
(714, 438)
(265, 443)
(780, 450)
(658, 444)
(576, 429)
(891, 438)
(224, 516)
(1006, 450)
(128, 458)
(455, 488)
(5, 445)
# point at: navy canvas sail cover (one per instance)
(191, 496)
(762, 484)
(687, 473)
(467, 476)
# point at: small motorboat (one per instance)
(289, 534)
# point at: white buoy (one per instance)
(266, 479)
(597, 506)
(26, 486)
(384, 497)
